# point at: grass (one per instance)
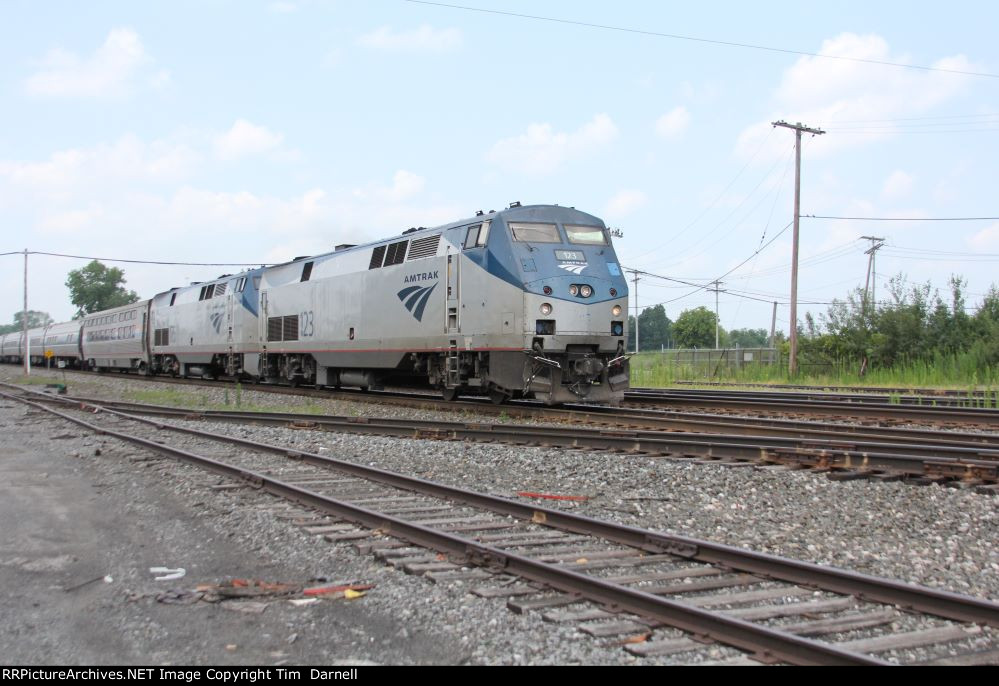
(947, 372)
(180, 398)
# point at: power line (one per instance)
(904, 219)
(943, 252)
(695, 39)
(718, 199)
(896, 130)
(116, 259)
(942, 116)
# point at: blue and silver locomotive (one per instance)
(526, 302)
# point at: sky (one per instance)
(226, 131)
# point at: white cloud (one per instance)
(897, 185)
(673, 123)
(541, 150)
(624, 203)
(821, 92)
(986, 240)
(245, 139)
(405, 185)
(282, 7)
(425, 38)
(110, 71)
(83, 169)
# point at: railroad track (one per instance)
(636, 417)
(903, 395)
(612, 580)
(761, 409)
(920, 457)
(802, 404)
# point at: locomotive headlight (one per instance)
(585, 291)
(573, 290)
(546, 309)
(616, 310)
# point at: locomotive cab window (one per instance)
(477, 235)
(586, 235)
(534, 232)
(472, 236)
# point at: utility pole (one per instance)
(797, 128)
(717, 320)
(24, 320)
(876, 244)
(773, 326)
(635, 272)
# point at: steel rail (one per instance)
(913, 459)
(622, 415)
(975, 415)
(903, 394)
(728, 424)
(917, 598)
(767, 643)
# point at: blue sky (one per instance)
(223, 131)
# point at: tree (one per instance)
(95, 287)
(748, 338)
(35, 320)
(655, 329)
(695, 328)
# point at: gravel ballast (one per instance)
(935, 536)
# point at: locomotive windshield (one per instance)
(586, 235)
(535, 233)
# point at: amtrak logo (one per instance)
(415, 299)
(574, 268)
(216, 319)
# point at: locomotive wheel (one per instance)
(449, 394)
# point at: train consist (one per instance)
(526, 302)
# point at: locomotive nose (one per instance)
(589, 367)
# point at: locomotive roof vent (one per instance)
(344, 246)
(514, 204)
(301, 257)
(410, 230)
(479, 213)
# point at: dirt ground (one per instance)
(70, 517)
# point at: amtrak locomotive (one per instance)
(526, 302)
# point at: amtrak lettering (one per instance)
(422, 276)
(415, 298)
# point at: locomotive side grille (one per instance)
(377, 255)
(274, 329)
(220, 289)
(161, 337)
(396, 253)
(424, 247)
(290, 327)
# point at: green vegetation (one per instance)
(94, 287)
(35, 319)
(172, 397)
(914, 338)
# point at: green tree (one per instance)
(95, 287)
(695, 328)
(35, 320)
(655, 328)
(748, 338)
